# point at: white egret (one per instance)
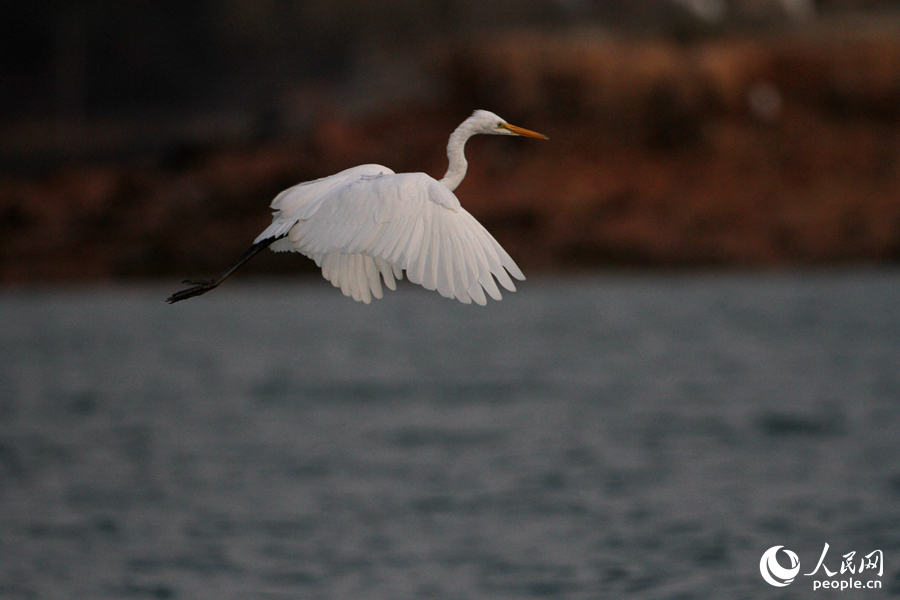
(368, 223)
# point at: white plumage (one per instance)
(367, 224)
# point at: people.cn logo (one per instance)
(773, 572)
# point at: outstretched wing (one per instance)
(391, 223)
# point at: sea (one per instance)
(634, 435)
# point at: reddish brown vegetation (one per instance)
(756, 151)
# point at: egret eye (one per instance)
(500, 125)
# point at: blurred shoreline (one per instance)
(747, 150)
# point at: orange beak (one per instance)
(524, 132)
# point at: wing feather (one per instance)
(345, 275)
(325, 264)
(418, 257)
(371, 225)
(494, 260)
(461, 273)
(487, 267)
(387, 273)
(402, 248)
(477, 293)
(362, 282)
(415, 240)
(387, 235)
(394, 240)
(445, 270)
(431, 265)
(372, 277)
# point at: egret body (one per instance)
(367, 224)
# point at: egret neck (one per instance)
(456, 172)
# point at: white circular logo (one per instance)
(774, 573)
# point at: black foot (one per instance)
(200, 287)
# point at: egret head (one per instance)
(485, 121)
(481, 121)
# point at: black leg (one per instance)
(204, 285)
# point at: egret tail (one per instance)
(201, 286)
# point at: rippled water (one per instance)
(603, 437)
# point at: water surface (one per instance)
(617, 436)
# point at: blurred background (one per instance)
(147, 139)
(704, 362)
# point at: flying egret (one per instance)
(368, 223)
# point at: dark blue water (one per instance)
(621, 436)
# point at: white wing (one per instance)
(298, 202)
(372, 223)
